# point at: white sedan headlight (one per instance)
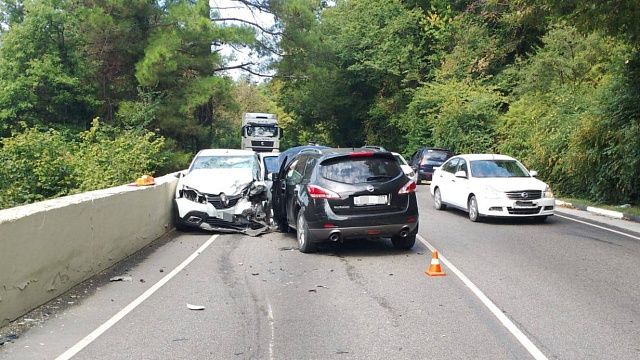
(193, 195)
(548, 193)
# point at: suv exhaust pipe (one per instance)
(335, 236)
(404, 233)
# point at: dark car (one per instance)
(425, 159)
(338, 194)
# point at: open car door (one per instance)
(278, 196)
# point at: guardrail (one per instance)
(48, 247)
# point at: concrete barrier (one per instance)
(48, 247)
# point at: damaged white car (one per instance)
(223, 191)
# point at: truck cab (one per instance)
(260, 132)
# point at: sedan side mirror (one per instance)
(273, 176)
(533, 173)
(461, 174)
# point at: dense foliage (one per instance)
(553, 83)
(151, 71)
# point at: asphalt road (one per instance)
(571, 289)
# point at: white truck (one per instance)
(260, 132)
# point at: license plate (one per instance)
(370, 200)
(525, 203)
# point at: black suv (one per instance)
(425, 159)
(337, 194)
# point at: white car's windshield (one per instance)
(224, 162)
(497, 168)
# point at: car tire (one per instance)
(540, 219)
(474, 215)
(304, 243)
(437, 200)
(401, 243)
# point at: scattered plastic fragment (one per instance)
(142, 281)
(312, 290)
(7, 338)
(161, 270)
(341, 352)
(322, 286)
(121, 278)
(195, 307)
(255, 274)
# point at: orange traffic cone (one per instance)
(435, 269)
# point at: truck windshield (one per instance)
(263, 131)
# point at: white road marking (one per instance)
(506, 322)
(599, 227)
(71, 352)
(273, 332)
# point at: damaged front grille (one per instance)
(223, 203)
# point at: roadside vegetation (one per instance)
(95, 93)
(553, 83)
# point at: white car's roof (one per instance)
(214, 152)
(471, 157)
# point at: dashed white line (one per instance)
(506, 322)
(71, 352)
(599, 227)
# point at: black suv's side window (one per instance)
(293, 175)
(450, 166)
(308, 170)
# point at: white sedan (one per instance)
(222, 190)
(491, 185)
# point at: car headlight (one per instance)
(548, 193)
(193, 195)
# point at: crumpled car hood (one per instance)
(216, 181)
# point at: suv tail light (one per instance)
(316, 192)
(408, 188)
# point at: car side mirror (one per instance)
(436, 168)
(179, 174)
(273, 176)
(461, 174)
(533, 173)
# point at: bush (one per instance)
(457, 115)
(46, 164)
(36, 165)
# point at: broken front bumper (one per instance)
(245, 216)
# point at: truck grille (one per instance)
(523, 211)
(262, 143)
(524, 194)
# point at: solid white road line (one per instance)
(127, 309)
(598, 226)
(506, 322)
(273, 331)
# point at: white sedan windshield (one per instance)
(497, 168)
(224, 162)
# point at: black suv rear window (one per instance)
(360, 170)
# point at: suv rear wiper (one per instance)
(379, 177)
